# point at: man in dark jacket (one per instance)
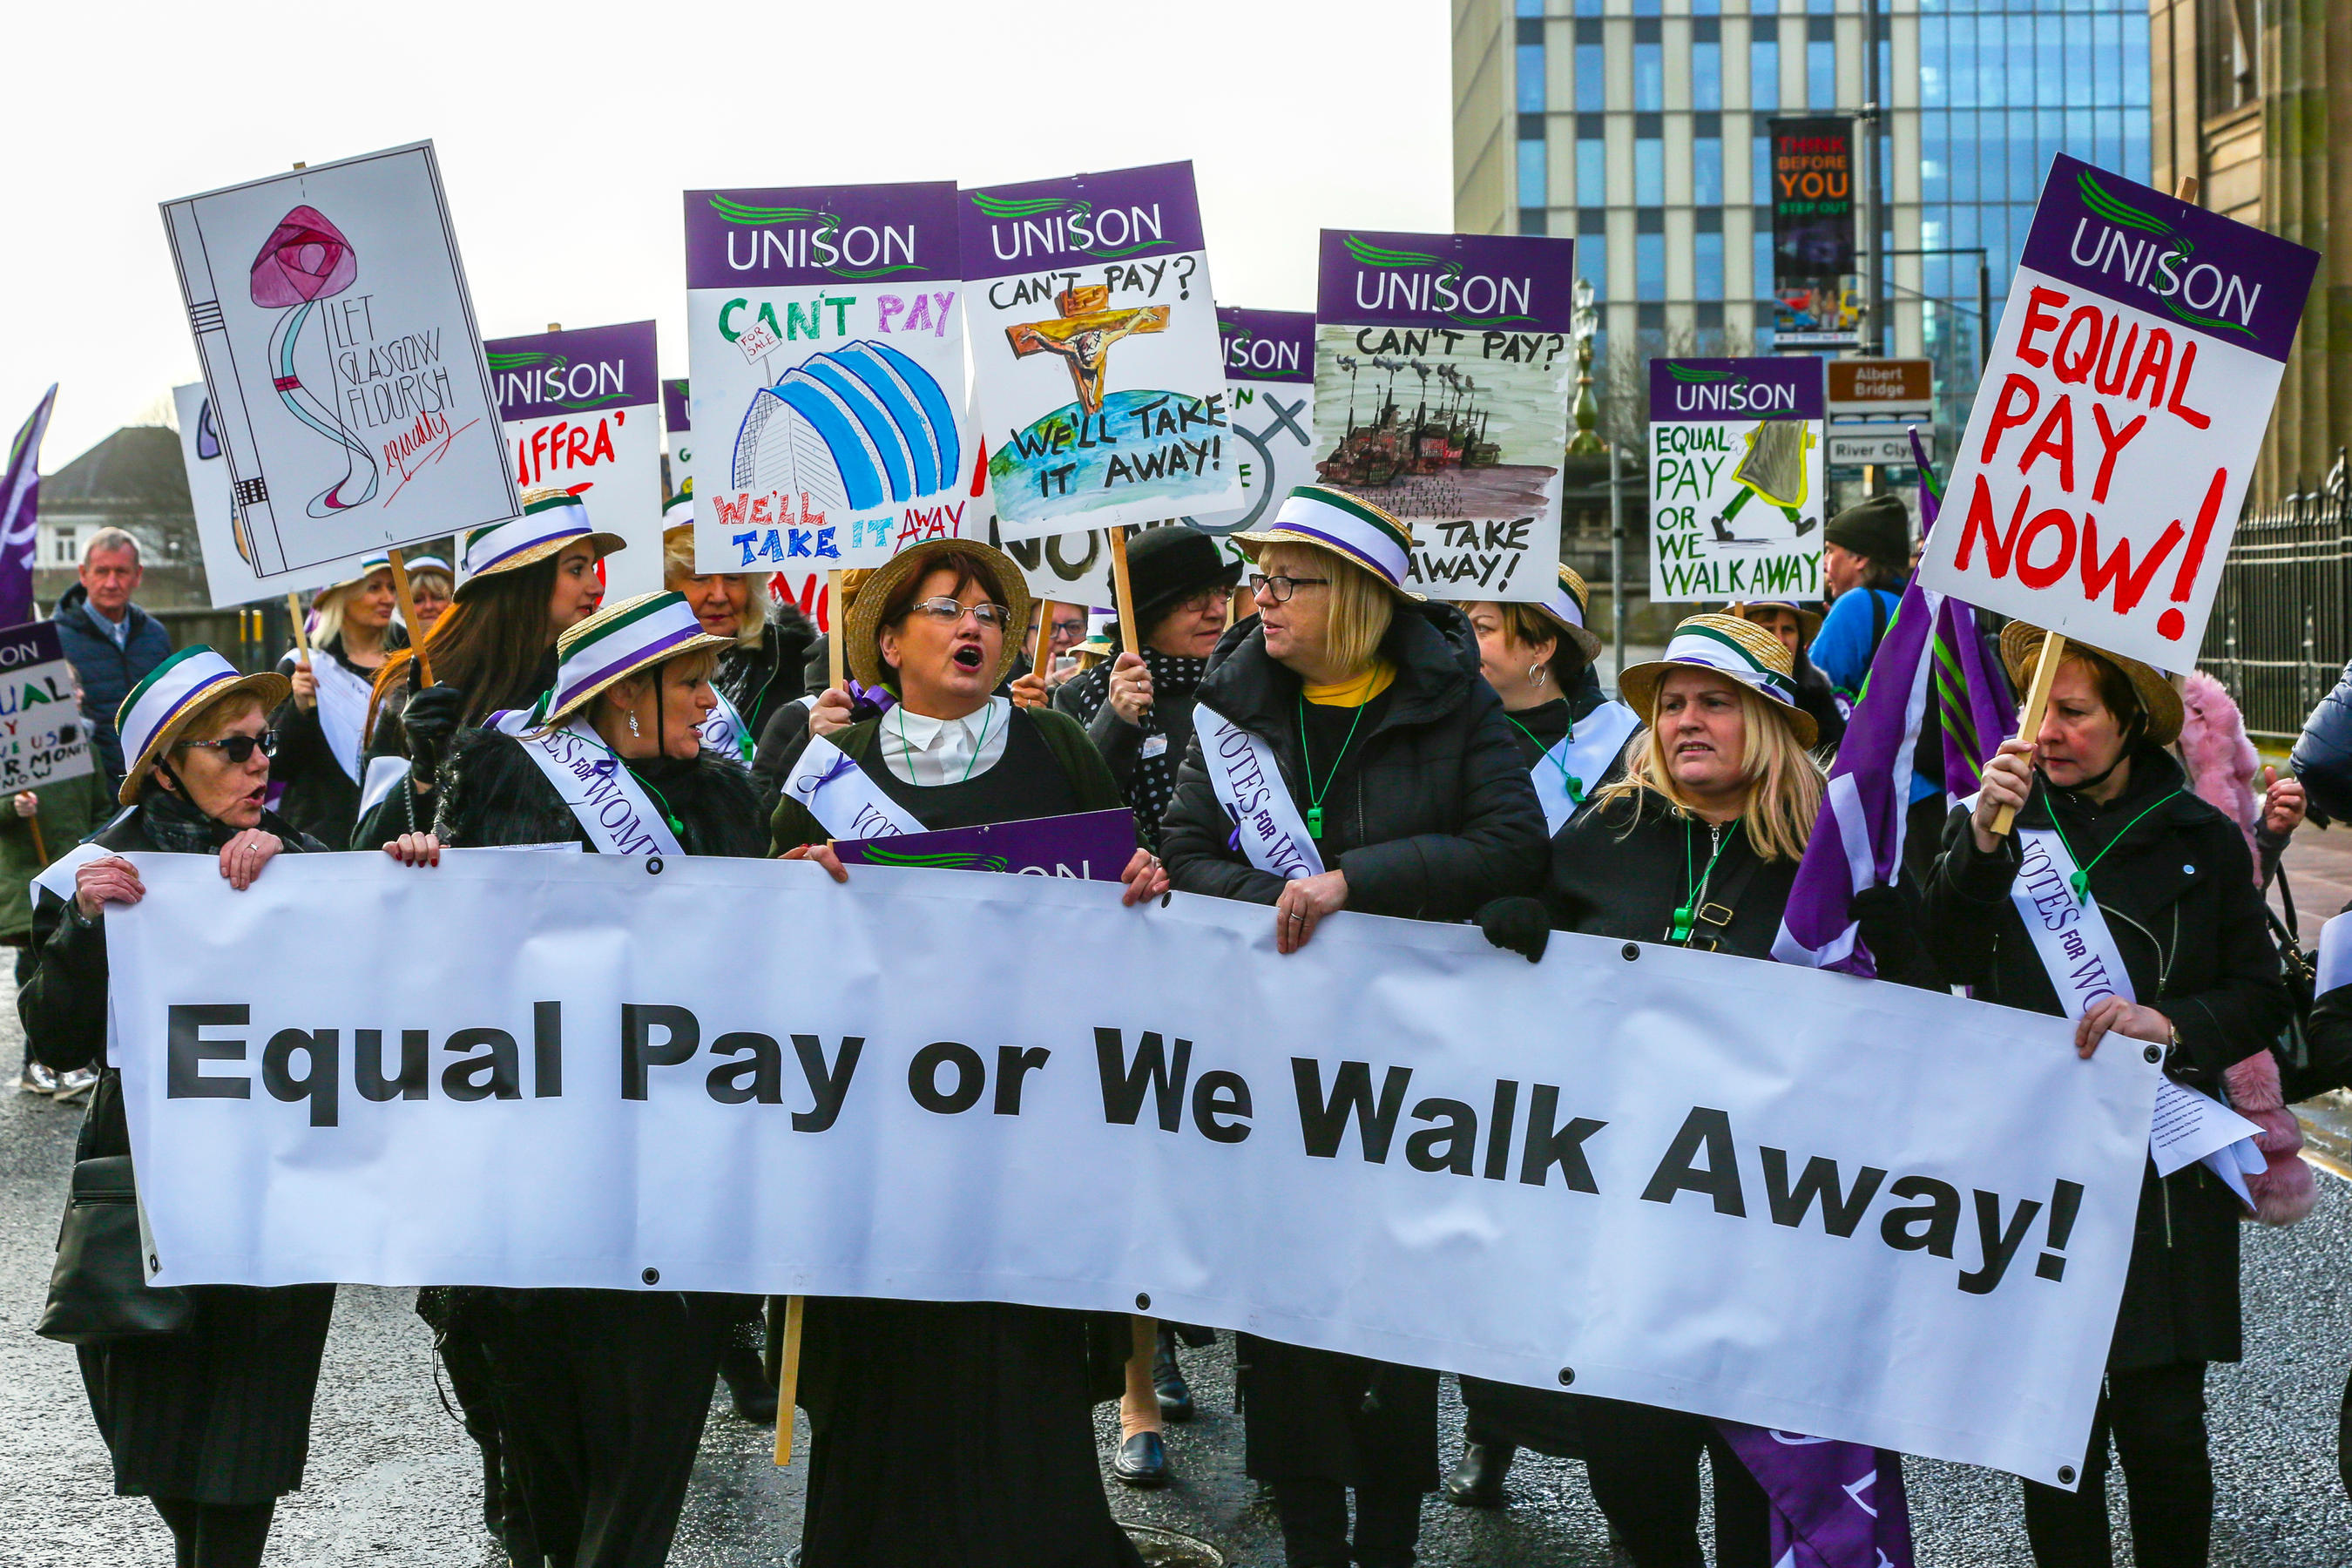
(111, 642)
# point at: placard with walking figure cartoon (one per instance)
(1735, 477)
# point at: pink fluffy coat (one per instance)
(2221, 765)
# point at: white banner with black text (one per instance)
(1772, 1194)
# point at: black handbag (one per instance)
(98, 1291)
(2307, 1067)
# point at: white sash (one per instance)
(342, 711)
(2079, 954)
(1249, 786)
(843, 796)
(725, 732)
(1585, 755)
(605, 798)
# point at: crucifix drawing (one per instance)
(1084, 334)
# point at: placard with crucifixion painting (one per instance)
(1097, 376)
(825, 353)
(1443, 372)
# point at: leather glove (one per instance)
(1887, 929)
(430, 721)
(1521, 924)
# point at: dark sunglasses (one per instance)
(238, 748)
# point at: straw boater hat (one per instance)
(416, 564)
(365, 570)
(2020, 654)
(863, 622)
(1730, 647)
(159, 708)
(549, 521)
(1809, 621)
(1565, 605)
(619, 641)
(1346, 526)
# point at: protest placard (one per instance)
(677, 419)
(349, 393)
(2098, 484)
(826, 355)
(1091, 846)
(1097, 372)
(1735, 479)
(228, 574)
(577, 408)
(43, 736)
(1270, 387)
(1442, 382)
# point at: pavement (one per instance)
(393, 1481)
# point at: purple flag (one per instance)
(1834, 1505)
(20, 507)
(1930, 668)
(1092, 846)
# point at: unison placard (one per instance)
(1735, 479)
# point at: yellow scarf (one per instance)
(1354, 693)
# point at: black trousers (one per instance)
(1314, 1515)
(216, 1535)
(2156, 1416)
(1643, 1464)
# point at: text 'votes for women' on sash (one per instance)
(1752, 1190)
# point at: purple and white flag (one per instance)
(20, 507)
(1834, 1505)
(1931, 667)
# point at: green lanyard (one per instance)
(987, 717)
(1695, 890)
(1315, 796)
(1569, 780)
(668, 815)
(2081, 879)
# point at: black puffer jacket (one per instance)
(1621, 869)
(492, 793)
(2322, 753)
(2178, 890)
(320, 799)
(762, 678)
(1430, 813)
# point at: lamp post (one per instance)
(1585, 442)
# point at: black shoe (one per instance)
(494, 1506)
(747, 1383)
(1478, 1480)
(1805, 525)
(1142, 1461)
(1167, 1379)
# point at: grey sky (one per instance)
(566, 134)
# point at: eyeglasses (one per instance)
(1196, 602)
(238, 748)
(995, 617)
(1278, 589)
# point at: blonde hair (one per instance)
(1361, 605)
(329, 608)
(678, 563)
(1784, 782)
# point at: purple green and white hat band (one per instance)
(1727, 653)
(619, 640)
(1565, 604)
(549, 521)
(173, 692)
(1318, 514)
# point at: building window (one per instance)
(1591, 70)
(1821, 73)
(1531, 77)
(1530, 7)
(66, 547)
(1532, 185)
(1648, 170)
(1764, 258)
(1707, 171)
(1764, 73)
(1534, 220)
(1707, 263)
(1592, 250)
(1649, 254)
(1592, 168)
(1706, 67)
(1759, 166)
(1649, 66)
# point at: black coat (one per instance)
(2178, 890)
(403, 810)
(1623, 868)
(764, 677)
(221, 1411)
(1146, 782)
(492, 793)
(2322, 753)
(1430, 813)
(320, 799)
(107, 671)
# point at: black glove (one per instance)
(1521, 925)
(429, 722)
(1887, 929)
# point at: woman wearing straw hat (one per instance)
(1403, 792)
(1795, 624)
(323, 729)
(2164, 887)
(1539, 659)
(431, 587)
(1698, 846)
(761, 671)
(212, 1424)
(1012, 1479)
(526, 580)
(599, 1396)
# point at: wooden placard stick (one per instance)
(837, 651)
(788, 1381)
(40, 849)
(1044, 640)
(302, 626)
(1131, 636)
(408, 616)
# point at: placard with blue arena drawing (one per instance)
(1097, 368)
(826, 365)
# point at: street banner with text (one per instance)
(1905, 1224)
(2098, 486)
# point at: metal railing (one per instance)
(2282, 624)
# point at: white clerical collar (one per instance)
(921, 732)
